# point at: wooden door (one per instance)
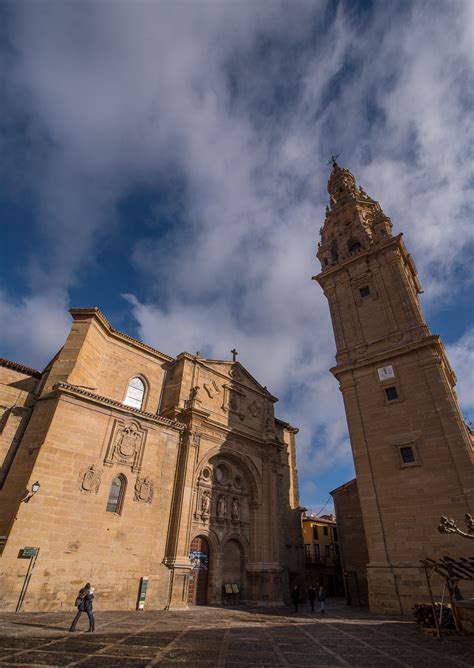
(199, 556)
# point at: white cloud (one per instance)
(461, 357)
(124, 94)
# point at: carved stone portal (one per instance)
(126, 445)
(143, 490)
(89, 480)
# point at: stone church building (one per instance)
(413, 453)
(120, 464)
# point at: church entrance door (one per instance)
(199, 556)
(232, 564)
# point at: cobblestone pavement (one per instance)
(226, 637)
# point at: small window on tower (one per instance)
(407, 455)
(365, 291)
(391, 393)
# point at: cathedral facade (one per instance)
(166, 482)
(413, 453)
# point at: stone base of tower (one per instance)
(395, 589)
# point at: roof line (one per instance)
(96, 312)
(9, 364)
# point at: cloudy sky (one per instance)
(166, 161)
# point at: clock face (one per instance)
(386, 372)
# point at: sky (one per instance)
(167, 162)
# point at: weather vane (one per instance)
(333, 160)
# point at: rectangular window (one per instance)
(334, 533)
(391, 393)
(325, 531)
(315, 532)
(317, 552)
(407, 455)
(365, 291)
(328, 551)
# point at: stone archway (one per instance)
(199, 555)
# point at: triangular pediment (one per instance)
(237, 375)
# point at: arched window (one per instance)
(354, 246)
(116, 494)
(135, 393)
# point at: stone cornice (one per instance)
(75, 391)
(375, 248)
(15, 366)
(391, 353)
(79, 313)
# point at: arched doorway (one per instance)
(199, 556)
(232, 565)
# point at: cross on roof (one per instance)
(333, 160)
(234, 354)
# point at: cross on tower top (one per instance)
(333, 160)
(234, 354)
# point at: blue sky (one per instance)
(166, 161)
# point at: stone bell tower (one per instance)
(413, 454)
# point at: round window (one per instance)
(221, 474)
(206, 473)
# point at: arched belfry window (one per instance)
(116, 494)
(135, 393)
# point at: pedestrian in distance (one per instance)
(322, 598)
(312, 596)
(295, 596)
(83, 603)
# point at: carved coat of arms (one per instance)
(89, 480)
(126, 445)
(144, 490)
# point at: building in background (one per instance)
(322, 553)
(352, 543)
(413, 453)
(121, 465)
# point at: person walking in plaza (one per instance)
(295, 595)
(80, 604)
(322, 598)
(312, 596)
(88, 608)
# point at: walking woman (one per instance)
(84, 604)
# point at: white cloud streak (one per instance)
(123, 94)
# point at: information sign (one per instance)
(28, 552)
(142, 592)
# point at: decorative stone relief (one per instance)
(212, 388)
(126, 445)
(89, 480)
(235, 373)
(255, 409)
(143, 490)
(233, 401)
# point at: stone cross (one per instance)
(234, 354)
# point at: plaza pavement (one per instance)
(240, 637)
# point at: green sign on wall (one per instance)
(28, 552)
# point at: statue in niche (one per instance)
(235, 510)
(144, 490)
(90, 480)
(222, 507)
(205, 504)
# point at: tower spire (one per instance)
(354, 221)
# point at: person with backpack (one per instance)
(83, 603)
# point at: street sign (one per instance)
(28, 552)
